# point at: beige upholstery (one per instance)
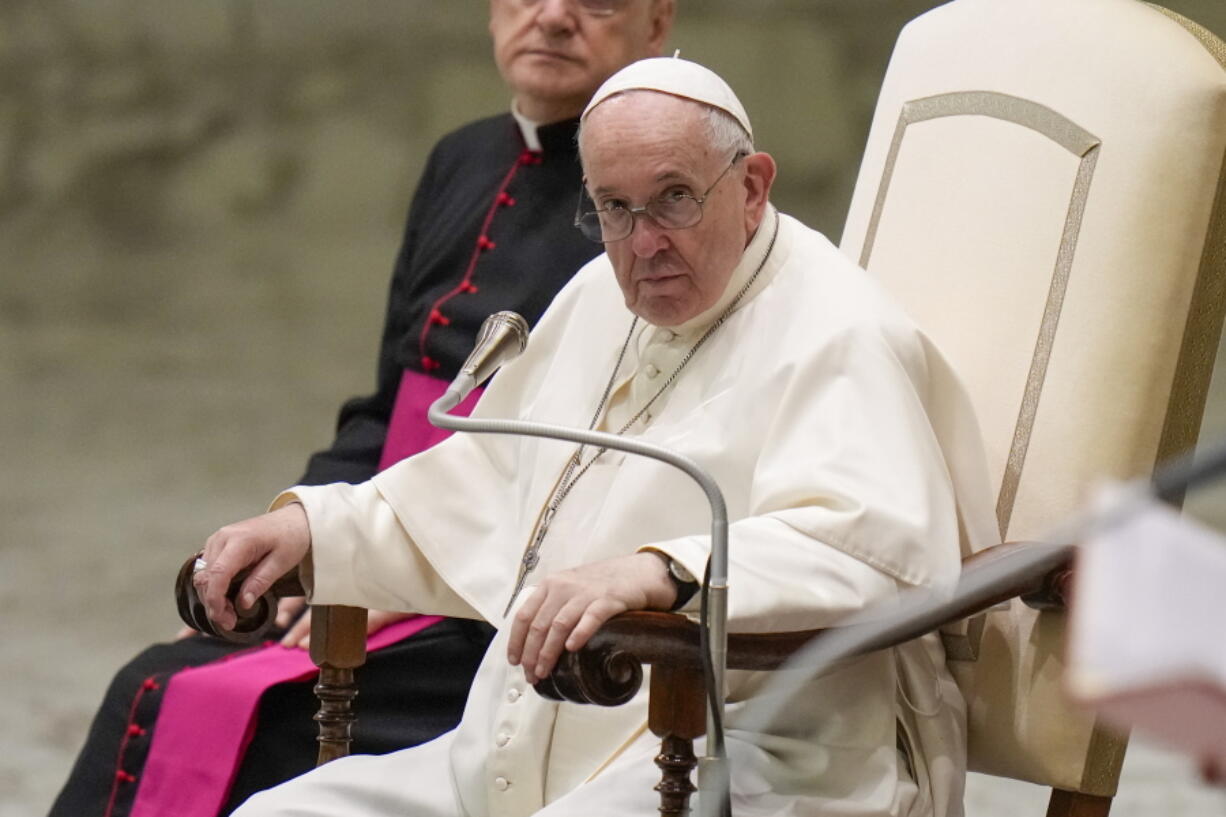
(1042, 187)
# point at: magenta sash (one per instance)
(410, 431)
(207, 717)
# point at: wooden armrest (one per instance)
(608, 672)
(338, 647)
(252, 624)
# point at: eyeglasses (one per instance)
(675, 209)
(596, 8)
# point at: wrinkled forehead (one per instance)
(629, 118)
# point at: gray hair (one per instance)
(725, 133)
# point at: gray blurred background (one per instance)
(200, 201)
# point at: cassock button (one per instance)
(503, 739)
(651, 370)
(501, 783)
(513, 695)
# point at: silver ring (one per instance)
(198, 565)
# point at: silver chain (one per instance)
(569, 477)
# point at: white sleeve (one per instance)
(850, 498)
(361, 555)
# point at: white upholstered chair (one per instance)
(1043, 190)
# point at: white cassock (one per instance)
(846, 452)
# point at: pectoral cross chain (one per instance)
(532, 557)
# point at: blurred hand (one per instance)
(567, 608)
(299, 635)
(288, 609)
(1213, 772)
(271, 545)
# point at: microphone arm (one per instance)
(919, 611)
(713, 776)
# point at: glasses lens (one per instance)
(675, 212)
(615, 224)
(592, 225)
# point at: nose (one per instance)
(556, 17)
(647, 238)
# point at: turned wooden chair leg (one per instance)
(338, 647)
(676, 761)
(1074, 804)
(677, 716)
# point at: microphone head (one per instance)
(502, 338)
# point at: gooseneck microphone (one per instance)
(503, 337)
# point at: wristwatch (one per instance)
(683, 580)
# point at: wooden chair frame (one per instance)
(608, 670)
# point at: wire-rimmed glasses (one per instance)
(674, 209)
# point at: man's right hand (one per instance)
(271, 545)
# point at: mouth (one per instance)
(659, 283)
(548, 54)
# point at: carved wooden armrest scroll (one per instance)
(252, 624)
(338, 647)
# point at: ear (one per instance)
(759, 176)
(662, 13)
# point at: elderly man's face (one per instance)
(554, 54)
(642, 145)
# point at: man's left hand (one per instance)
(567, 608)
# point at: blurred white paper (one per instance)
(1147, 626)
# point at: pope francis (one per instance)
(726, 331)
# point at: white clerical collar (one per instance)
(526, 127)
(753, 258)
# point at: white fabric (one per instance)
(677, 77)
(527, 128)
(825, 416)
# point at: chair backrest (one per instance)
(1042, 188)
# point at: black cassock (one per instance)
(490, 228)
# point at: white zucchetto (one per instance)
(678, 77)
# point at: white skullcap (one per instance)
(678, 77)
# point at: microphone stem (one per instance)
(713, 777)
(455, 394)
